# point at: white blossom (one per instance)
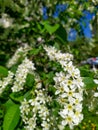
(96, 94)
(35, 106)
(5, 20)
(45, 125)
(69, 88)
(22, 51)
(20, 77)
(5, 81)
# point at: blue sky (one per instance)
(84, 21)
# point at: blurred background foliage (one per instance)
(64, 24)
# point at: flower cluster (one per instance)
(57, 55)
(22, 51)
(20, 77)
(7, 80)
(5, 20)
(69, 88)
(34, 112)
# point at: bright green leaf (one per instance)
(51, 28)
(11, 117)
(8, 104)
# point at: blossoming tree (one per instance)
(42, 86)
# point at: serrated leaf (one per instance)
(11, 117)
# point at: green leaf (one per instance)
(27, 95)
(51, 28)
(11, 117)
(3, 71)
(89, 82)
(50, 76)
(8, 104)
(85, 72)
(30, 80)
(61, 34)
(51, 90)
(35, 51)
(15, 97)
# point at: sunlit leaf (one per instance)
(11, 117)
(51, 28)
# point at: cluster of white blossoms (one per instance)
(6, 81)
(69, 88)
(54, 54)
(5, 20)
(34, 112)
(22, 51)
(21, 73)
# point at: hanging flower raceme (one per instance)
(22, 51)
(34, 112)
(20, 77)
(6, 81)
(69, 88)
